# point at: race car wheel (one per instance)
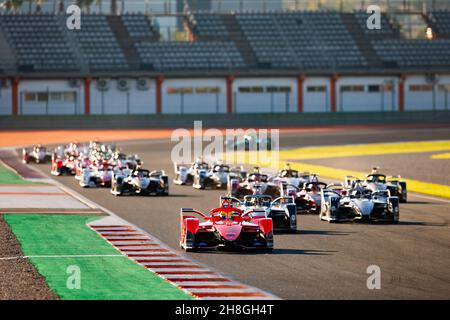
(117, 193)
(404, 198)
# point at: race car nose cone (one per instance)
(229, 233)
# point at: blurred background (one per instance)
(223, 57)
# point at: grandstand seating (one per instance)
(38, 42)
(138, 26)
(293, 40)
(409, 53)
(441, 22)
(98, 45)
(208, 25)
(301, 39)
(190, 55)
(386, 31)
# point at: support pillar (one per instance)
(230, 80)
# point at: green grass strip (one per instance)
(8, 176)
(102, 278)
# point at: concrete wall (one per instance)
(5, 100)
(421, 100)
(267, 101)
(53, 105)
(435, 99)
(443, 96)
(194, 102)
(366, 100)
(116, 101)
(318, 101)
(197, 100)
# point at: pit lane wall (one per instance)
(224, 95)
(262, 120)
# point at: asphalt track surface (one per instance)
(322, 260)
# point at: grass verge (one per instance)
(8, 176)
(102, 278)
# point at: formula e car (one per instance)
(63, 164)
(38, 154)
(237, 173)
(225, 227)
(140, 182)
(121, 159)
(96, 176)
(218, 175)
(376, 181)
(81, 164)
(307, 198)
(196, 175)
(248, 142)
(291, 181)
(255, 183)
(282, 210)
(360, 204)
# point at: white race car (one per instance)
(38, 154)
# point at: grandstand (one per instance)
(311, 61)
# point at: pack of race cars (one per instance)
(256, 204)
(102, 165)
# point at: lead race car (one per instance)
(359, 204)
(282, 210)
(140, 182)
(225, 227)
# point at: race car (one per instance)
(198, 175)
(360, 204)
(81, 164)
(121, 159)
(225, 227)
(38, 154)
(308, 198)
(376, 181)
(291, 181)
(96, 176)
(63, 164)
(218, 176)
(140, 182)
(248, 142)
(255, 183)
(238, 173)
(282, 210)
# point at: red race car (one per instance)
(225, 227)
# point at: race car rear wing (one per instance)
(190, 210)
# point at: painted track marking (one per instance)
(198, 280)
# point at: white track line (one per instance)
(152, 245)
(63, 256)
(197, 280)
